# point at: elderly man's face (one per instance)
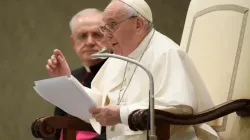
(86, 37)
(121, 28)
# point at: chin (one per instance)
(116, 50)
(86, 55)
(86, 58)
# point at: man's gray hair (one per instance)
(129, 11)
(82, 13)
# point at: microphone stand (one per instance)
(103, 53)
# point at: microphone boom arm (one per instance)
(152, 135)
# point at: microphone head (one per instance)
(103, 50)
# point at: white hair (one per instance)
(82, 13)
(129, 11)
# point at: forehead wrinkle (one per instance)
(90, 19)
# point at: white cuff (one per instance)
(124, 113)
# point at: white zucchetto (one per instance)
(141, 7)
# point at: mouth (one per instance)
(90, 51)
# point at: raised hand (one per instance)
(57, 65)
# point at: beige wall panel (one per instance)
(216, 36)
(29, 31)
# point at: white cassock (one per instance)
(178, 88)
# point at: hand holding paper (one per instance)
(67, 94)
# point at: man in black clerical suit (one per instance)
(86, 39)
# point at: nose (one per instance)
(90, 41)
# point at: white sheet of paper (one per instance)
(67, 94)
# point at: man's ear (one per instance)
(139, 24)
(72, 40)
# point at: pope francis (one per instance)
(119, 87)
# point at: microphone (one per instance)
(103, 50)
(104, 53)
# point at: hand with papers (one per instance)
(57, 65)
(107, 115)
(68, 94)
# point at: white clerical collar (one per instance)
(87, 68)
(142, 46)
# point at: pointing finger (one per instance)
(59, 53)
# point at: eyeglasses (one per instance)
(111, 27)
